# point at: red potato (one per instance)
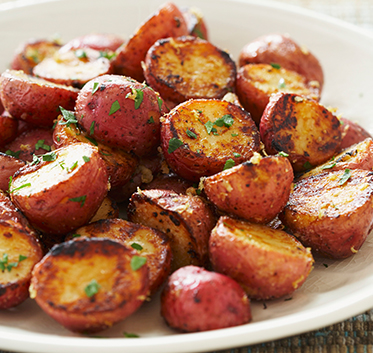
(302, 128)
(198, 300)
(266, 262)
(168, 21)
(32, 142)
(195, 22)
(256, 190)
(63, 190)
(121, 112)
(352, 133)
(34, 100)
(8, 128)
(90, 284)
(284, 51)
(170, 182)
(8, 166)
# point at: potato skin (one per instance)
(330, 216)
(8, 128)
(170, 65)
(198, 300)
(206, 153)
(267, 263)
(55, 199)
(304, 129)
(256, 191)
(59, 283)
(282, 50)
(168, 21)
(8, 166)
(352, 133)
(32, 99)
(134, 126)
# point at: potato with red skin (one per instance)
(268, 263)
(63, 190)
(302, 128)
(332, 212)
(8, 128)
(195, 22)
(352, 133)
(284, 51)
(8, 166)
(33, 99)
(198, 300)
(168, 21)
(121, 112)
(88, 285)
(256, 190)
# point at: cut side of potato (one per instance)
(88, 285)
(267, 263)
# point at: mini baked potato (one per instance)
(186, 220)
(200, 136)
(61, 190)
(8, 128)
(266, 262)
(256, 190)
(352, 133)
(33, 99)
(302, 128)
(121, 112)
(332, 212)
(198, 300)
(188, 67)
(150, 243)
(90, 284)
(168, 21)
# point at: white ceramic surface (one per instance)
(330, 294)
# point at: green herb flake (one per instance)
(73, 166)
(276, 66)
(237, 155)
(92, 127)
(139, 97)
(174, 144)
(281, 83)
(107, 54)
(76, 235)
(229, 164)
(86, 159)
(95, 87)
(5, 265)
(346, 175)
(283, 154)
(81, 54)
(329, 165)
(307, 165)
(80, 199)
(136, 246)
(226, 120)
(26, 185)
(209, 126)
(137, 262)
(91, 140)
(150, 120)
(114, 107)
(49, 157)
(233, 134)
(68, 116)
(35, 160)
(13, 154)
(160, 102)
(92, 288)
(41, 144)
(191, 134)
(130, 335)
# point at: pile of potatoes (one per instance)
(230, 175)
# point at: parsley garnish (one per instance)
(307, 165)
(130, 335)
(80, 199)
(41, 144)
(225, 120)
(237, 155)
(209, 126)
(20, 187)
(191, 134)
(139, 97)
(137, 262)
(5, 265)
(229, 164)
(92, 288)
(49, 157)
(136, 246)
(114, 107)
(234, 134)
(151, 120)
(174, 144)
(81, 54)
(91, 140)
(281, 83)
(345, 177)
(283, 154)
(160, 102)
(92, 128)
(68, 116)
(86, 159)
(13, 154)
(276, 66)
(95, 87)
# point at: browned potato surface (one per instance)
(256, 190)
(284, 51)
(121, 112)
(267, 263)
(33, 99)
(62, 190)
(73, 68)
(109, 209)
(199, 136)
(186, 220)
(332, 212)
(90, 284)
(352, 133)
(257, 82)
(8, 166)
(198, 300)
(302, 128)
(150, 243)
(168, 21)
(188, 67)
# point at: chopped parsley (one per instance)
(86, 159)
(95, 87)
(92, 288)
(346, 175)
(307, 165)
(68, 116)
(174, 144)
(237, 155)
(229, 164)
(226, 120)
(276, 66)
(92, 128)
(6, 265)
(209, 126)
(136, 246)
(49, 157)
(191, 134)
(139, 97)
(283, 154)
(137, 262)
(26, 185)
(80, 199)
(114, 107)
(13, 154)
(130, 335)
(281, 83)
(150, 120)
(160, 102)
(41, 144)
(81, 54)
(233, 134)
(91, 140)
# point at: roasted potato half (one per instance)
(186, 220)
(198, 300)
(267, 263)
(200, 136)
(332, 212)
(283, 51)
(257, 82)
(150, 243)
(168, 21)
(33, 99)
(188, 67)
(302, 128)
(61, 190)
(90, 284)
(256, 190)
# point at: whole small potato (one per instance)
(198, 300)
(121, 112)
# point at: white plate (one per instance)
(330, 294)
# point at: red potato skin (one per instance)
(8, 166)
(128, 128)
(352, 133)
(8, 128)
(198, 300)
